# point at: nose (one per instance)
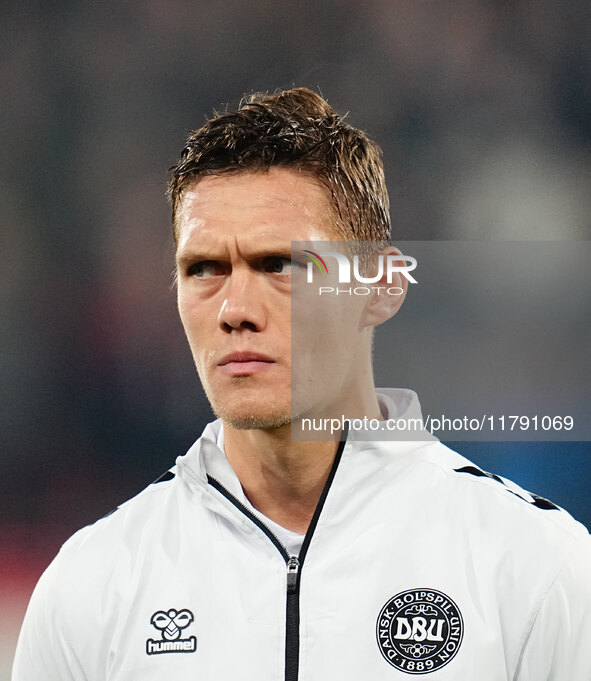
(243, 307)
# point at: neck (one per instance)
(283, 478)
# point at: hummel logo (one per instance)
(171, 623)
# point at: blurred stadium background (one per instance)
(483, 109)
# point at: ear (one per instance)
(389, 292)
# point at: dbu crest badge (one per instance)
(419, 630)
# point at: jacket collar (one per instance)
(207, 456)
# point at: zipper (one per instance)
(293, 568)
(294, 564)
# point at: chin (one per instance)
(248, 414)
(255, 422)
(244, 420)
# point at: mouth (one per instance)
(244, 363)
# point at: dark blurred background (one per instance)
(483, 109)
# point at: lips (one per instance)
(242, 357)
(244, 363)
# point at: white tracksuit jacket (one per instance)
(416, 564)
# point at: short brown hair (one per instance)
(295, 129)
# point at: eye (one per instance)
(277, 264)
(206, 269)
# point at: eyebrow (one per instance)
(189, 257)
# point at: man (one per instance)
(262, 557)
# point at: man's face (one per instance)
(234, 286)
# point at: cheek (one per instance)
(199, 322)
(189, 311)
(192, 319)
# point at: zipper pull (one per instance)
(293, 566)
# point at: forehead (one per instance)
(280, 203)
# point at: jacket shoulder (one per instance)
(73, 607)
(498, 497)
(90, 557)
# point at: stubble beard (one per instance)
(272, 420)
(266, 416)
(254, 422)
